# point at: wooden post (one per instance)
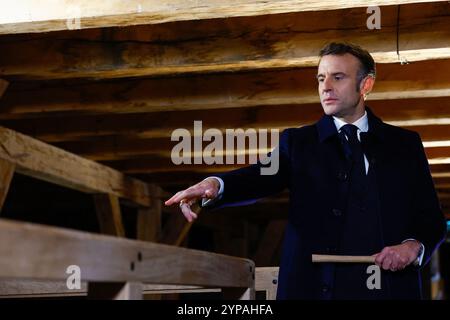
(269, 243)
(109, 214)
(115, 290)
(149, 222)
(177, 228)
(149, 218)
(6, 174)
(149, 225)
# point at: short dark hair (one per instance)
(364, 57)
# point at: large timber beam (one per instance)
(107, 150)
(294, 43)
(432, 115)
(29, 16)
(40, 160)
(110, 259)
(394, 81)
(436, 140)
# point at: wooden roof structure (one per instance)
(111, 80)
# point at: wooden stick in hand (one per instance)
(323, 258)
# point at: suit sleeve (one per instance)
(428, 223)
(249, 184)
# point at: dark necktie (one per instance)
(352, 148)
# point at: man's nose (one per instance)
(326, 84)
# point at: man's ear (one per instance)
(366, 85)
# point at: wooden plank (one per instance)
(282, 88)
(424, 36)
(3, 86)
(115, 291)
(111, 259)
(43, 289)
(429, 113)
(109, 215)
(28, 16)
(42, 161)
(30, 288)
(266, 279)
(6, 174)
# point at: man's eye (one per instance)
(338, 77)
(320, 79)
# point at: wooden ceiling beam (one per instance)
(121, 148)
(114, 148)
(159, 164)
(430, 117)
(295, 43)
(394, 81)
(28, 16)
(436, 153)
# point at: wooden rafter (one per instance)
(424, 36)
(29, 16)
(394, 81)
(429, 116)
(113, 149)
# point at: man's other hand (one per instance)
(398, 257)
(207, 188)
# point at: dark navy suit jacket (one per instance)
(313, 167)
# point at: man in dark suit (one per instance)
(357, 187)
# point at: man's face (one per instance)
(337, 77)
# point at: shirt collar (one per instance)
(327, 128)
(362, 123)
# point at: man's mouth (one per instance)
(329, 100)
